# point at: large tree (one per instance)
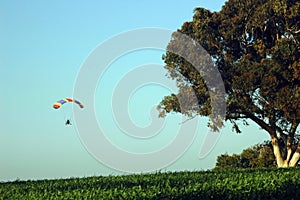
(255, 47)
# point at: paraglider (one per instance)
(59, 103)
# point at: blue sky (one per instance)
(43, 45)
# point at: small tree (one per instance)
(225, 161)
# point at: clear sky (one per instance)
(43, 46)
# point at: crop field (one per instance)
(222, 184)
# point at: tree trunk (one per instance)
(295, 159)
(291, 160)
(277, 153)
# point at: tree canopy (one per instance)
(255, 47)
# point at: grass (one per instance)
(265, 183)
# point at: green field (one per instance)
(227, 184)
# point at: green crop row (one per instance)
(224, 184)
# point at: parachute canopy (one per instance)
(59, 103)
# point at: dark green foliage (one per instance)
(264, 183)
(260, 155)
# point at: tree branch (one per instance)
(293, 128)
(261, 123)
